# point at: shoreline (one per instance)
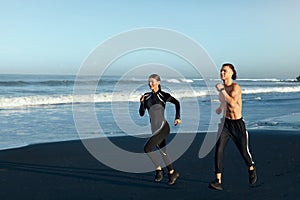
(251, 131)
(66, 170)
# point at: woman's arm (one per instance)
(142, 106)
(177, 108)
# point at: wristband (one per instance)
(220, 90)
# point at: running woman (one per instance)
(230, 96)
(155, 102)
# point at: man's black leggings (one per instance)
(236, 130)
(159, 140)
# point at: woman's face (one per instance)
(153, 84)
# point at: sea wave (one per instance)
(258, 90)
(41, 100)
(83, 81)
(261, 80)
(113, 81)
(182, 80)
(267, 80)
(38, 100)
(44, 100)
(271, 80)
(36, 83)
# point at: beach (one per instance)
(66, 170)
(86, 88)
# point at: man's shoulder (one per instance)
(236, 88)
(236, 85)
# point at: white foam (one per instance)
(271, 90)
(261, 79)
(44, 100)
(187, 80)
(173, 80)
(23, 101)
(182, 80)
(258, 98)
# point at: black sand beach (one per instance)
(65, 170)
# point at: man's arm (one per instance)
(222, 104)
(232, 98)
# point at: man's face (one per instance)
(226, 73)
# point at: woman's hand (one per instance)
(177, 121)
(142, 98)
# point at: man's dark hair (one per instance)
(234, 75)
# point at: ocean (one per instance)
(40, 108)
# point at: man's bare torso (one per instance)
(233, 109)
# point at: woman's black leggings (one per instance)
(158, 140)
(236, 130)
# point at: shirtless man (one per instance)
(230, 96)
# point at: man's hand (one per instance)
(219, 110)
(220, 87)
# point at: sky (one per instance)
(261, 38)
